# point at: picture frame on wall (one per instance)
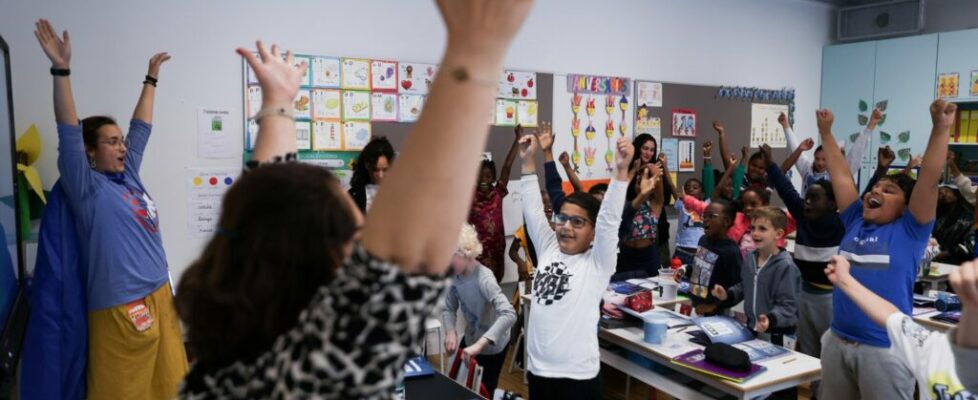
(683, 122)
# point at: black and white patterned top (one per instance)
(350, 343)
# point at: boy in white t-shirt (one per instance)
(930, 355)
(574, 264)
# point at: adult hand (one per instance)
(58, 49)
(483, 26)
(279, 79)
(154, 63)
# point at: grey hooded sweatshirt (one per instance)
(771, 289)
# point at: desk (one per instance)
(939, 273)
(925, 321)
(436, 387)
(799, 369)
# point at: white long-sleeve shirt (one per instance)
(562, 336)
(854, 157)
(965, 187)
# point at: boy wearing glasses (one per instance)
(575, 263)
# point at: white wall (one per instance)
(762, 43)
(950, 15)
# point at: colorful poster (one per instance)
(518, 85)
(356, 105)
(383, 106)
(947, 85)
(253, 100)
(326, 104)
(325, 72)
(415, 78)
(974, 83)
(506, 112)
(527, 113)
(587, 126)
(687, 149)
(213, 133)
(302, 105)
(327, 135)
(599, 84)
(355, 73)
(356, 135)
(670, 147)
(648, 94)
(383, 75)
(764, 125)
(303, 135)
(306, 76)
(205, 189)
(683, 122)
(409, 107)
(646, 123)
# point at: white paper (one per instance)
(517, 85)
(213, 136)
(356, 105)
(687, 161)
(302, 105)
(764, 125)
(326, 104)
(383, 106)
(527, 113)
(648, 94)
(356, 135)
(409, 107)
(415, 78)
(383, 75)
(356, 73)
(327, 135)
(205, 190)
(326, 72)
(303, 135)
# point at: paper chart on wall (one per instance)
(588, 123)
(356, 105)
(302, 105)
(947, 85)
(527, 113)
(383, 75)
(409, 107)
(518, 85)
(355, 73)
(306, 76)
(646, 123)
(684, 123)
(327, 135)
(648, 94)
(670, 147)
(303, 135)
(687, 150)
(764, 125)
(326, 104)
(506, 112)
(253, 100)
(383, 106)
(205, 189)
(356, 135)
(213, 137)
(326, 72)
(415, 78)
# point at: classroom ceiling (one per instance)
(848, 3)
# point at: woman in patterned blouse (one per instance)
(292, 299)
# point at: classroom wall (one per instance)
(950, 15)
(762, 43)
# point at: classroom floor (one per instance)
(613, 382)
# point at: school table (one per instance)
(782, 372)
(939, 273)
(436, 387)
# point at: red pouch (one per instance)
(640, 302)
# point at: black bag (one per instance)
(13, 335)
(727, 356)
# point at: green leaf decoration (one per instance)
(863, 120)
(852, 137)
(882, 120)
(884, 137)
(904, 154)
(882, 105)
(904, 136)
(863, 106)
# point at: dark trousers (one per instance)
(542, 388)
(640, 259)
(491, 364)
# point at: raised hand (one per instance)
(279, 79)
(624, 154)
(564, 158)
(743, 154)
(646, 182)
(763, 324)
(783, 120)
(718, 126)
(885, 157)
(719, 292)
(528, 147)
(837, 270)
(155, 62)
(663, 161)
(707, 149)
(545, 135)
(824, 119)
(766, 153)
(483, 25)
(58, 49)
(807, 144)
(875, 117)
(942, 114)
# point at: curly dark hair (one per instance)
(367, 160)
(282, 231)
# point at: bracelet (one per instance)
(274, 111)
(149, 82)
(707, 158)
(151, 79)
(60, 71)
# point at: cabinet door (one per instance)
(848, 77)
(956, 53)
(905, 79)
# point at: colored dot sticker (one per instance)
(213, 181)
(198, 181)
(228, 181)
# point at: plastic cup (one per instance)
(655, 329)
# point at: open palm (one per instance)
(58, 49)
(279, 78)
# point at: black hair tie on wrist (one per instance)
(60, 71)
(150, 80)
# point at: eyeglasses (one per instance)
(114, 142)
(575, 221)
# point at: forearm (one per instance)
(64, 102)
(842, 183)
(967, 333)
(708, 183)
(855, 155)
(276, 134)
(724, 151)
(553, 184)
(508, 164)
(791, 160)
(572, 178)
(923, 200)
(738, 179)
(875, 307)
(144, 107)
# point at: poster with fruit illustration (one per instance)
(415, 78)
(383, 75)
(518, 85)
(590, 113)
(356, 105)
(506, 112)
(383, 106)
(327, 135)
(325, 72)
(326, 104)
(302, 105)
(306, 76)
(355, 73)
(409, 107)
(356, 135)
(527, 113)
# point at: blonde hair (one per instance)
(468, 242)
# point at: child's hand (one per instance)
(885, 157)
(824, 118)
(528, 146)
(719, 292)
(766, 153)
(647, 181)
(915, 162)
(733, 160)
(875, 118)
(762, 324)
(707, 149)
(837, 270)
(718, 126)
(564, 158)
(612, 310)
(942, 114)
(624, 153)
(743, 155)
(783, 120)
(546, 136)
(807, 144)
(964, 280)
